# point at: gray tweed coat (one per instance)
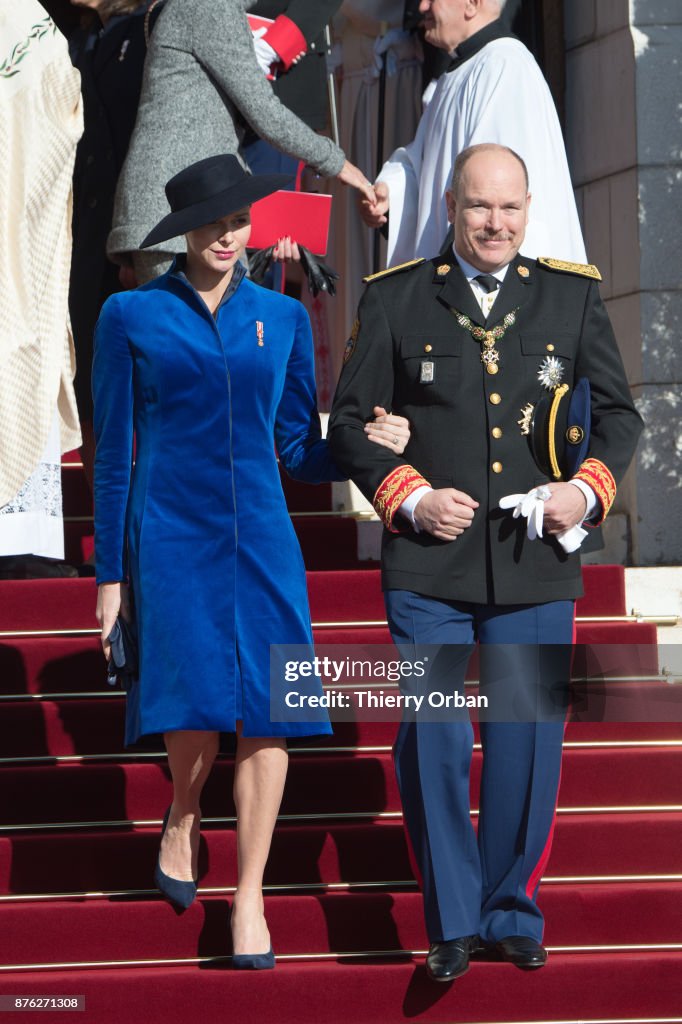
(201, 74)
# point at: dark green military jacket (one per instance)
(410, 353)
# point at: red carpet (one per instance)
(573, 987)
(339, 874)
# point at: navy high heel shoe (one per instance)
(253, 961)
(178, 892)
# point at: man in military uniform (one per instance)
(469, 346)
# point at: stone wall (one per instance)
(624, 139)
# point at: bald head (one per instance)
(495, 151)
(488, 205)
(448, 23)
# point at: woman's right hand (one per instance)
(353, 176)
(112, 598)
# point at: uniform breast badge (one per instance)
(490, 356)
(427, 374)
(259, 333)
(551, 372)
(523, 271)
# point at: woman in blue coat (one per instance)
(209, 372)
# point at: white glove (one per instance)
(532, 507)
(385, 44)
(265, 55)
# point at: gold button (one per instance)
(550, 348)
(497, 432)
(497, 467)
(428, 348)
(495, 399)
(492, 367)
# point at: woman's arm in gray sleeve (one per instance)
(224, 46)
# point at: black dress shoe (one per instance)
(522, 951)
(449, 960)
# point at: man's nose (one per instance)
(494, 219)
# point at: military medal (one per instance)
(259, 333)
(526, 417)
(551, 372)
(427, 374)
(490, 356)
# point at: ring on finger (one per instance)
(395, 439)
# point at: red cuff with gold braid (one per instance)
(600, 479)
(286, 38)
(393, 490)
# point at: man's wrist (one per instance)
(408, 507)
(591, 501)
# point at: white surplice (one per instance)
(497, 95)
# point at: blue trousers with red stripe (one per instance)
(485, 884)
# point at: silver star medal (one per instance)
(551, 372)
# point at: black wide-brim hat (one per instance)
(559, 434)
(208, 190)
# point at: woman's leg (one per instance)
(260, 772)
(190, 757)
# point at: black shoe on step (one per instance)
(449, 960)
(522, 951)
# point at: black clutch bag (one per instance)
(123, 663)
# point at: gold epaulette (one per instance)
(392, 270)
(583, 269)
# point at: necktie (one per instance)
(489, 286)
(488, 282)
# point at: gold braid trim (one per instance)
(553, 413)
(393, 490)
(582, 269)
(600, 479)
(393, 270)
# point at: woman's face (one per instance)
(219, 245)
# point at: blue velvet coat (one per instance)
(200, 525)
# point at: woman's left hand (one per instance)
(286, 251)
(388, 430)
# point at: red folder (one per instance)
(256, 22)
(302, 215)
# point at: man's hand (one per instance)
(375, 214)
(112, 598)
(566, 508)
(445, 512)
(389, 431)
(353, 176)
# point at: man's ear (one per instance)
(528, 199)
(451, 205)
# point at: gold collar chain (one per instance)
(490, 356)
